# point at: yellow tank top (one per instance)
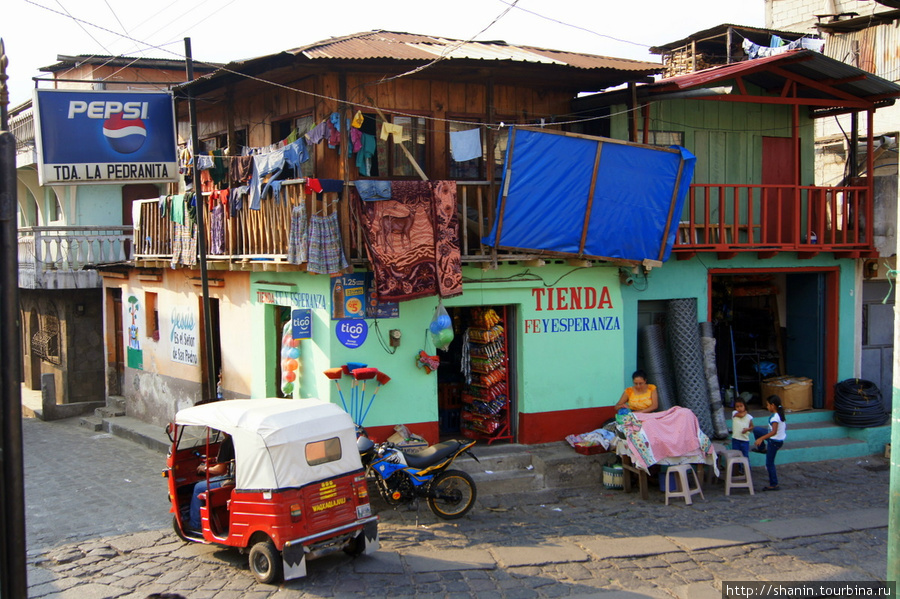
(639, 401)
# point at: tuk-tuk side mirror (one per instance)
(169, 432)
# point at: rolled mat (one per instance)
(717, 412)
(658, 367)
(687, 359)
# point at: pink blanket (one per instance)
(674, 433)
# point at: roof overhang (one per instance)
(799, 78)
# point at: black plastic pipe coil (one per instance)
(858, 404)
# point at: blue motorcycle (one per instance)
(405, 477)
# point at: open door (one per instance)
(805, 343)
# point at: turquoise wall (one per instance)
(689, 278)
(726, 137)
(566, 358)
(98, 205)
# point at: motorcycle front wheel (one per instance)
(452, 494)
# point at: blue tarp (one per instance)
(547, 186)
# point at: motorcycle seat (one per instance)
(433, 454)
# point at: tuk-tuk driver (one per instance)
(219, 473)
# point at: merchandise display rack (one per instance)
(485, 409)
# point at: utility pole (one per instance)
(893, 542)
(13, 581)
(211, 366)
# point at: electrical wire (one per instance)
(446, 51)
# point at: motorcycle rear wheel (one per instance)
(452, 494)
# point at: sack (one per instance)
(441, 327)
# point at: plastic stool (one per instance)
(736, 481)
(684, 488)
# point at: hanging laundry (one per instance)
(298, 236)
(268, 167)
(236, 198)
(326, 253)
(217, 230)
(177, 215)
(204, 162)
(357, 120)
(756, 51)
(333, 135)
(184, 245)
(164, 202)
(292, 137)
(312, 186)
(365, 155)
(241, 169)
(219, 170)
(465, 145)
(355, 139)
(370, 190)
(388, 129)
(331, 185)
(317, 133)
(275, 188)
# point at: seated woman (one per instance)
(641, 397)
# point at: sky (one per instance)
(37, 31)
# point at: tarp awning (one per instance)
(590, 197)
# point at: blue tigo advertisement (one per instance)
(92, 137)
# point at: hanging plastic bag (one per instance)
(290, 360)
(441, 327)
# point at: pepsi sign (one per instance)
(91, 137)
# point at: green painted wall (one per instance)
(726, 137)
(689, 278)
(98, 205)
(559, 367)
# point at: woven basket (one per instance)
(612, 477)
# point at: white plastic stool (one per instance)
(684, 489)
(734, 480)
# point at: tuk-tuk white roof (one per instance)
(270, 436)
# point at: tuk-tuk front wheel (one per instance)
(265, 563)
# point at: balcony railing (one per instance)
(61, 257)
(258, 239)
(776, 218)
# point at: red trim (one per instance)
(547, 427)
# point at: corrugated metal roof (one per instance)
(763, 72)
(392, 45)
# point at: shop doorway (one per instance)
(476, 391)
(773, 323)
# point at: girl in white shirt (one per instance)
(770, 442)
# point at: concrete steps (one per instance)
(812, 436)
(512, 468)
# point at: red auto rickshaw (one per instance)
(297, 490)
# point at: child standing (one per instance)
(770, 442)
(741, 427)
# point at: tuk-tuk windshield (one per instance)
(192, 436)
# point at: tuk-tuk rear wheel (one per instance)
(265, 563)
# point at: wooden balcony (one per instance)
(257, 240)
(64, 257)
(768, 219)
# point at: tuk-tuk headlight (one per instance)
(296, 512)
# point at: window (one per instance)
(470, 169)
(322, 452)
(662, 138)
(391, 153)
(152, 315)
(301, 124)
(220, 141)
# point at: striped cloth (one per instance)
(298, 237)
(326, 255)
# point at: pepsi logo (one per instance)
(125, 136)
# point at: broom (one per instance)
(335, 375)
(382, 379)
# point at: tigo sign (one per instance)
(89, 137)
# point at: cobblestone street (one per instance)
(98, 526)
